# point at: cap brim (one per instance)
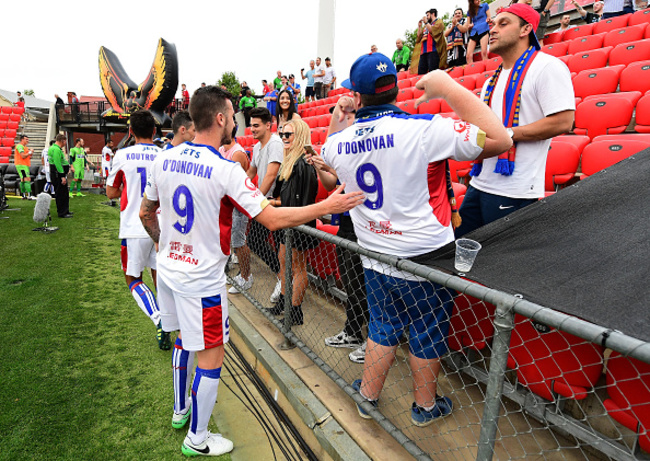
(347, 84)
(534, 41)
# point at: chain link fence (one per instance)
(524, 380)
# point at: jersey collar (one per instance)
(210, 148)
(372, 112)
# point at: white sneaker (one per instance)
(234, 259)
(213, 445)
(275, 296)
(343, 340)
(359, 355)
(242, 282)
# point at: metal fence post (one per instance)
(288, 289)
(503, 325)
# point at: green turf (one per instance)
(82, 375)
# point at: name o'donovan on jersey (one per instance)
(366, 145)
(188, 167)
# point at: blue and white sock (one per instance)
(204, 396)
(146, 300)
(182, 363)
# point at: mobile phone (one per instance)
(310, 150)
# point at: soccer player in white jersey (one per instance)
(398, 160)
(107, 162)
(197, 190)
(127, 180)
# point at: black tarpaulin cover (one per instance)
(584, 251)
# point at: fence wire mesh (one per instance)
(559, 397)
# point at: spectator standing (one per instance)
(456, 34)
(309, 75)
(58, 173)
(294, 87)
(271, 99)
(613, 8)
(543, 7)
(74, 100)
(185, 96)
(479, 16)
(49, 187)
(286, 109)
(590, 18)
(295, 186)
(182, 128)
(406, 213)
(20, 101)
(22, 162)
(193, 296)
(401, 56)
(265, 87)
(131, 166)
(277, 82)
(265, 164)
(433, 49)
(319, 75)
(107, 158)
(246, 104)
(78, 166)
(329, 81)
(542, 108)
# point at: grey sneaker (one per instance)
(343, 340)
(359, 355)
(240, 281)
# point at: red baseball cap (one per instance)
(528, 14)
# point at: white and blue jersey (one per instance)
(197, 189)
(398, 161)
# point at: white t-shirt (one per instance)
(546, 90)
(107, 158)
(197, 190)
(398, 162)
(272, 152)
(46, 164)
(329, 75)
(130, 168)
(318, 70)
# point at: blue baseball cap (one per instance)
(365, 72)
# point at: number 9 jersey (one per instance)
(197, 190)
(130, 169)
(398, 161)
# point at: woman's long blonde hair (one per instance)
(301, 138)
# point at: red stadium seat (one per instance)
(274, 127)
(578, 31)
(311, 121)
(592, 59)
(248, 131)
(10, 133)
(639, 17)
(556, 49)
(474, 68)
(415, 79)
(482, 78)
(7, 142)
(605, 114)
(430, 107)
(2, 132)
(456, 72)
(15, 117)
(468, 81)
(605, 25)
(643, 137)
(6, 109)
(643, 115)
(404, 74)
(550, 362)
(459, 188)
(600, 155)
(628, 386)
(561, 164)
(492, 64)
(580, 141)
(405, 95)
(626, 53)
(18, 109)
(417, 93)
(624, 35)
(459, 169)
(471, 322)
(5, 151)
(597, 81)
(323, 259)
(553, 37)
(4, 117)
(586, 43)
(315, 137)
(322, 133)
(636, 77)
(324, 120)
(401, 84)
(408, 106)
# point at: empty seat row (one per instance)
(12, 110)
(592, 42)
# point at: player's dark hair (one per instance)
(23, 136)
(142, 123)
(292, 105)
(262, 113)
(387, 97)
(77, 141)
(459, 9)
(60, 137)
(206, 103)
(181, 118)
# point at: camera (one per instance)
(302, 70)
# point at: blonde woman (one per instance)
(296, 185)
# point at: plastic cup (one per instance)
(466, 251)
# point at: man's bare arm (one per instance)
(149, 219)
(545, 128)
(113, 192)
(269, 179)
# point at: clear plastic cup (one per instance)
(466, 251)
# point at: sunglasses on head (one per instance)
(286, 134)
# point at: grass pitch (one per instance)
(82, 375)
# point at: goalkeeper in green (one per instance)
(79, 164)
